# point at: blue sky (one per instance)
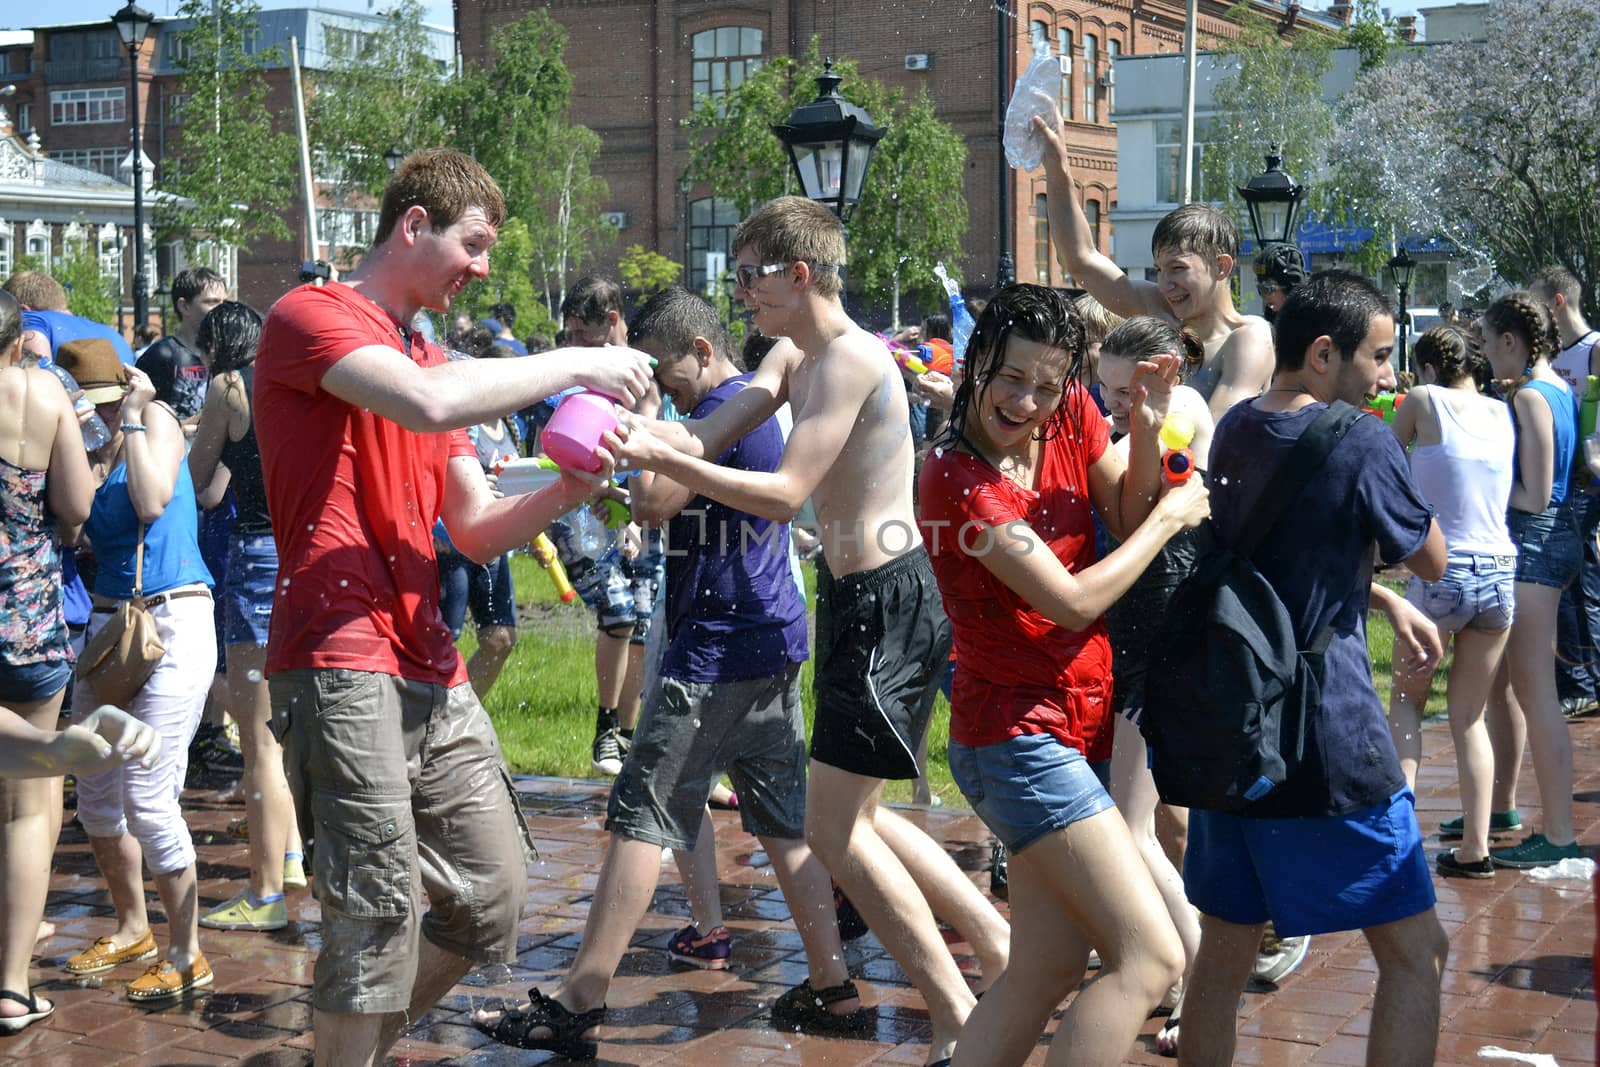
(66, 12)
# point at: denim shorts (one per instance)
(1026, 787)
(620, 591)
(247, 596)
(1310, 875)
(1476, 592)
(485, 588)
(1548, 549)
(33, 681)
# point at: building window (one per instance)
(5, 248)
(39, 243)
(85, 107)
(346, 227)
(1091, 211)
(172, 108)
(1038, 35)
(1113, 50)
(723, 59)
(177, 49)
(1041, 239)
(110, 256)
(1169, 150)
(1064, 50)
(712, 221)
(1091, 98)
(342, 43)
(100, 160)
(24, 119)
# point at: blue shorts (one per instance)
(1476, 592)
(620, 591)
(485, 588)
(1028, 786)
(33, 681)
(1548, 549)
(1310, 876)
(247, 595)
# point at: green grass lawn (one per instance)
(544, 703)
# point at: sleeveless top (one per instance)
(1564, 419)
(33, 629)
(243, 460)
(171, 543)
(1467, 478)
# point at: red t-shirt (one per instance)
(353, 499)
(1020, 673)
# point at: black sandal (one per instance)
(805, 1009)
(15, 1024)
(566, 1028)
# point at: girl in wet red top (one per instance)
(1006, 513)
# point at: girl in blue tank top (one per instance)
(1518, 338)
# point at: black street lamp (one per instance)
(133, 23)
(685, 187)
(1401, 268)
(392, 158)
(830, 143)
(1273, 198)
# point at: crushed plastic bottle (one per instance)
(961, 323)
(95, 431)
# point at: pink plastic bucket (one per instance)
(575, 430)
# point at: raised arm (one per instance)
(654, 498)
(224, 401)
(1124, 493)
(153, 455)
(1069, 229)
(757, 402)
(447, 397)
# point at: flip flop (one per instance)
(15, 1024)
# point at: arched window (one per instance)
(723, 58)
(1041, 239)
(1038, 34)
(1091, 211)
(1113, 50)
(5, 248)
(1064, 50)
(1091, 99)
(712, 221)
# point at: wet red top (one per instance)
(353, 498)
(1019, 673)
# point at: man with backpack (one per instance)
(1333, 845)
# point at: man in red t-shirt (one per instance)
(395, 769)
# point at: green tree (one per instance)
(513, 116)
(912, 214)
(372, 93)
(1372, 33)
(230, 170)
(645, 271)
(1269, 93)
(90, 294)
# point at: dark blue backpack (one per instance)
(1231, 692)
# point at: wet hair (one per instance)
(1552, 281)
(536, 343)
(10, 321)
(444, 183)
(229, 334)
(756, 348)
(188, 284)
(1034, 313)
(673, 318)
(1197, 228)
(1144, 336)
(1282, 264)
(476, 341)
(1452, 354)
(591, 299)
(936, 327)
(1338, 304)
(37, 290)
(793, 229)
(1523, 314)
(1098, 320)
(504, 314)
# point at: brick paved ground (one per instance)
(1518, 977)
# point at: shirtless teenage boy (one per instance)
(1196, 249)
(882, 639)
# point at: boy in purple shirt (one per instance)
(728, 700)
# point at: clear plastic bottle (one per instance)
(95, 431)
(589, 532)
(961, 323)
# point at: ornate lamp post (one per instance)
(830, 143)
(133, 23)
(1401, 268)
(392, 158)
(1274, 199)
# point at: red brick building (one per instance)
(639, 65)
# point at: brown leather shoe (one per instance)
(103, 955)
(163, 981)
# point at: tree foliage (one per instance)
(385, 94)
(913, 212)
(1495, 146)
(645, 271)
(233, 172)
(513, 116)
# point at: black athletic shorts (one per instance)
(882, 644)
